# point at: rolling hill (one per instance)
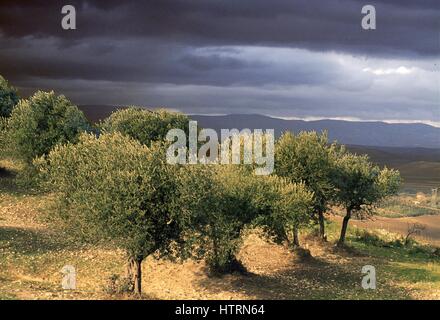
(346, 132)
(413, 149)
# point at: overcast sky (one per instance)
(286, 58)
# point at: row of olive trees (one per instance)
(112, 183)
(116, 185)
(114, 188)
(335, 176)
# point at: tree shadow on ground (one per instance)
(29, 241)
(315, 278)
(9, 186)
(4, 173)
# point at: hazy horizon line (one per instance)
(431, 123)
(435, 124)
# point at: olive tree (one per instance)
(114, 188)
(308, 158)
(8, 98)
(217, 201)
(221, 202)
(41, 122)
(284, 208)
(360, 185)
(144, 125)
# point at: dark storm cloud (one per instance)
(281, 57)
(405, 27)
(153, 62)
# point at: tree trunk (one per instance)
(137, 276)
(129, 273)
(322, 234)
(296, 243)
(215, 265)
(344, 228)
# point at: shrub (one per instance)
(223, 201)
(144, 125)
(288, 207)
(8, 98)
(379, 238)
(114, 188)
(118, 285)
(38, 124)
(217, 200)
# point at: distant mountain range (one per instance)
(347, 132)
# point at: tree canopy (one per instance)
(360, 185)
(8, 98)
(308, 158)
(218, 201)
(36, 125)
(144, 125)
(112, 187)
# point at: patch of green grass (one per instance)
(414, 273)
(405, 205)
(414, 266)
(379, 238)
(402, 210)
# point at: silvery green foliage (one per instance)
(285, 206)
(220, 202)
(144, 125)
(216, 200)
(3, 130)
(307, 158)
(8, 98)
(44, 120)
(113, 188)
(361, 184)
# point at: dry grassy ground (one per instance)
(32, 255)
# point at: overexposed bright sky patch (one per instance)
(400, 70)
